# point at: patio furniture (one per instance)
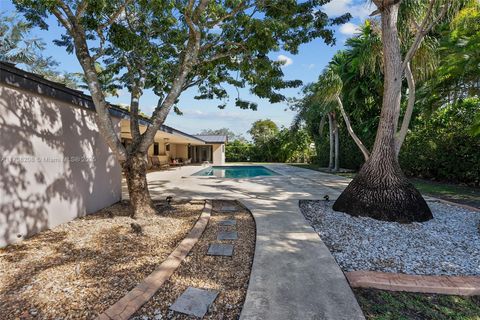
(175, 162)
(164, 164)
(188, 161)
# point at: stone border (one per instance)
(456, 285)
(124, 308)
(464, 206)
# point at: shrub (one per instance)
(442, 146)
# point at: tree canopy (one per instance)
(19, 46)
(447, 74)
(170, 46)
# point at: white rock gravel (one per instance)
(449, 244)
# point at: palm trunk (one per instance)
(332, 140)
(337, 143)
(135, 168)
(381, 190)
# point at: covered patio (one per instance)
(170, 147)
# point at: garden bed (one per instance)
(80, 268)
(449, 244)
(227, 275)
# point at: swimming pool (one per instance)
(235, 172)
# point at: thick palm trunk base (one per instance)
(384, 193)
(136, 175)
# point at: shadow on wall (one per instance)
(54, 165)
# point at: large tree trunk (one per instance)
(135, 168)
(332, 141)
(381, 190)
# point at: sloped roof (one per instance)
(212, 138)
(16, 77)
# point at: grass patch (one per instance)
(447, 191)
(450, 192)
(386, 305)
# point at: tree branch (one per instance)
(82, 6)
(188, 61)
(114, 16)
(355, 138)
(136, 92)
(423, 30)
(104, 121)
(400, 136)
(237, 9)
(63, 20)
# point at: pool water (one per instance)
(235, 172)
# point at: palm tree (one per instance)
(381, 190)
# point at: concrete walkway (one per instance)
(294, 276)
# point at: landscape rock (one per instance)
(449, 244)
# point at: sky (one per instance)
(204, 114)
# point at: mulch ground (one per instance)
(78, 269)
(228, 275)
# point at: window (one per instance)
(223, 148)
(156, 149)
(167, 147)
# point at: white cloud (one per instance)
(309, 66)
(286, 60)
(349, 29)
(358, 9)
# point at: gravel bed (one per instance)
(78, 269)
(449, 244)
(227, 275)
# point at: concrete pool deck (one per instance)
(294, 276)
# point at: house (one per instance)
(172, 145)
(54, 164)
(213, 150)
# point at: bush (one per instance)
(238, 151)
(442, 146)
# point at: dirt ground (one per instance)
(78, 269)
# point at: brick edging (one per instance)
(464, 206)
(124, 308)
(457, 285)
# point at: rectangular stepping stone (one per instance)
(228, 208)
(227, 223)
(217, 249)
(227, 235)
(194, 302)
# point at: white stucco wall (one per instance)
(218, 151)
(54, 165)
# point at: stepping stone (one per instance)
(229, 208)
(217, 249)
(194, 302)
(227, 235)
(227, 223)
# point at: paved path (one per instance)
(294, 276)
